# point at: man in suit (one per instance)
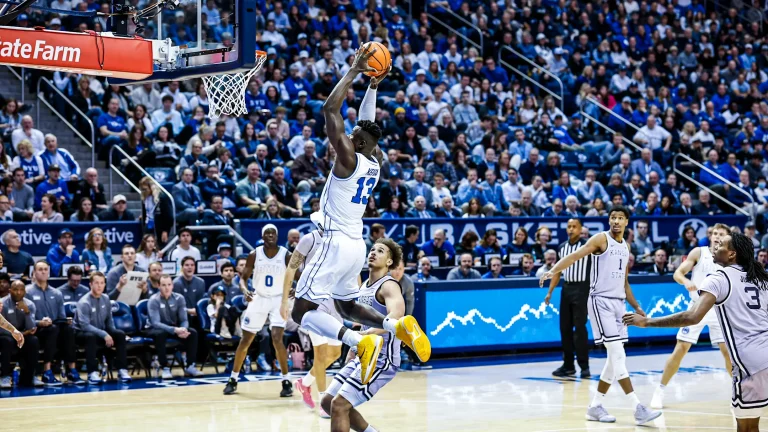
(417, 187)
(188, 199)
(492, 192)
(91, 188)
(645, 165)
(705, 207)
(394, 189)
(217, 184)
(447, 210)
(654, 185)
(217, 216)
(624, 168)
(686, 205)
(419, 209)
(532, 167)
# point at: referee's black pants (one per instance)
(573, 324)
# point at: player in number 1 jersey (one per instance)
(609, 288)
(333, 270)
(739, 294)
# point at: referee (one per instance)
(573, 305)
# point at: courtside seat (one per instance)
(239, 303)
(216, 343)
(126, 321)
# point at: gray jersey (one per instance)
(390, 352)
(742, 309)
(609, 270)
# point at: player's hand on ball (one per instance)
(375, 81)
(360, 64)
(634, 319)
(546, 276)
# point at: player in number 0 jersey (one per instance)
(739, 294)
(333, 270)
(609, 288)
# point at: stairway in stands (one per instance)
(50, 123)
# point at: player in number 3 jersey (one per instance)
(739, 294)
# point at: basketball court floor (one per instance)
(516, 397)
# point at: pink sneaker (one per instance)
(321, 412)
(306, 393)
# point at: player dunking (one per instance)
(382, 292)
(333, 271)
(609, 287)
(700, 263)
(267, 264)
(739, 294)
(326, 350)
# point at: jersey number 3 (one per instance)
(364, 187)
(755, 297)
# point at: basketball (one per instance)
(380, 60)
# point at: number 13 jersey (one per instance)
(343, 201)
(609, 270)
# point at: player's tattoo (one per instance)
(680, 319)
(5, 325)
(296, 260)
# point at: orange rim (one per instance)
(261, 53)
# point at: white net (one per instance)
(226, 92)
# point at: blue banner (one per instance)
(37, 238)
(458, 316)
(661, 229)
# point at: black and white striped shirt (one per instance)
(578, 272)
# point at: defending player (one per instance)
(326, 350)
(609, 287)
(700, 263)
(333, 271)
(382, 292)
(739, 294)
(267, 265)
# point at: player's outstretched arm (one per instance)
(685, 268)
(391, 293)
(682, 319)
(334, 123)
(250, 262)
(595, 244)
(290, 274)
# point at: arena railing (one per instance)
(172, 242)
(597, 121)
(683, 174)
(141, 169)
(41, 97)
(467, 23)
(560, 97)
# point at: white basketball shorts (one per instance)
(347, 383)
(750, 394)
(691, 334)
(333, 270)
(605, 318)
(259, 309)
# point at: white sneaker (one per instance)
(166, 374)
(5, 382)
(124, 376)
(599, 414)
(192, 371)
(94, 378)
(37, 382)
(643, 415)
(657, 402)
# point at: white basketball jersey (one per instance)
(343, 201)
(703, 268)
(390, 352)
(269, 273)
(609, 270)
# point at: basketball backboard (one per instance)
(209, 45)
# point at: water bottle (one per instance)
(63, 373)
(248, 364)
(16, 375)
(420, 275)
(104, 369)
(156, 367)
(290, 363)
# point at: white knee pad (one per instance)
(608, 374)
(618, 359)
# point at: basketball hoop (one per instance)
(226, 92)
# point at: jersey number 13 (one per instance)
(364, 188)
